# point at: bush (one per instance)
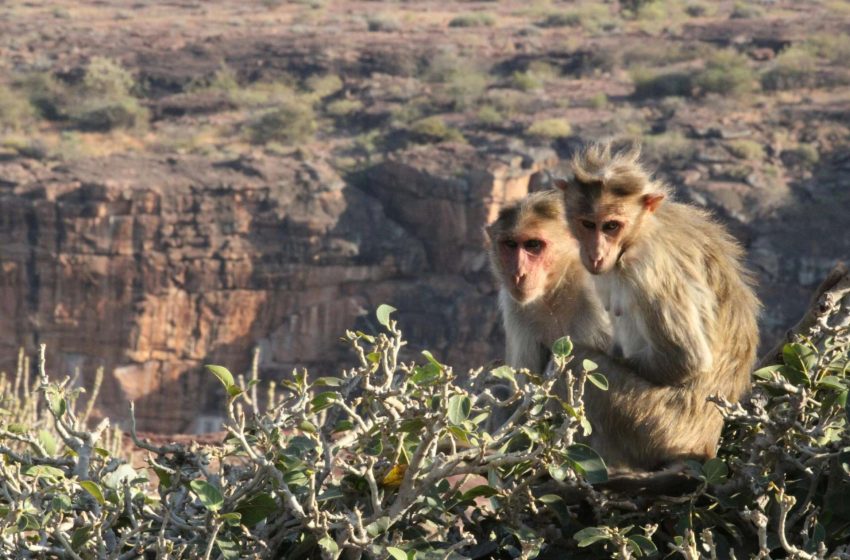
(526, 81)
(478, 19)
(343, 107)
(804, 155)
(15, 109)
(726, 73)
(395, 459)
(599, 100)
(489, 116)
(101, 101)
(746, 10)
(383, 23)
(549, 129)
(794, 68)
(435, 129)
(466, 88)
(323, 85)
(746, 149)
(650, 84)
(292, 122)
(669, 146)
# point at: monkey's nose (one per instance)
(597, 264)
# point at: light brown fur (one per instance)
(682, 310)
(562, 302)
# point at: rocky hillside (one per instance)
(181, 182)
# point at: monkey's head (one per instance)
(528, 242)
(607, 199)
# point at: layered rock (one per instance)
(152, 266)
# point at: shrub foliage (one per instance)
(395, 459)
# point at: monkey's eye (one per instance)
(610, 227)
(533, 245)
(510, 243)
(587, 224)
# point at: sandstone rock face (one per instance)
(152, 266)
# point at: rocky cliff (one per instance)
(183, 182)
(153, 266)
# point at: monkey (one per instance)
(681, 306)
(544, 293)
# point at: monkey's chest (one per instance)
(629, 334)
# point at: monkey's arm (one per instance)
(675, 325)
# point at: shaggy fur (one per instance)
(682, 309)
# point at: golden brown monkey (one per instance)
(681, 306)
(544, 291)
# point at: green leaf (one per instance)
(256, 508)
(209, 495)
(642, 545)
(322, 401)
(396, 553)
(16, 428)
(222, 373)
(44, 471)
(116, 478)
(425, 375)
(367, 337)
(559, 472)
(479, 491)
(80, 537)
(308, 427)
(588, 365)
(375, 446)
(599, 380)
(28, 522)
(458, 408)
(795, 376)
(411, 425)
(550, 498)
(430, 357)
(383, 313)
(504, 372)
(329, 545)
(562, 347)
(329, 382)
(801, 357)
(93, 488)
(229, 549)
(56, 402)
(48, 442)
(331, 493)
(590, 535)
(831, 382)
(715, 471)
(378, 527)
(766, 373)
(61, 502)
(233, 518)
(234, 390)
(587, 462)
(374, 357)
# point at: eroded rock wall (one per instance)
(152, 266)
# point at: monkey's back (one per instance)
(704, 253)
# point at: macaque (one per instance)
(544, 291)
(681, 307)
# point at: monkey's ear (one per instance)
(488, 232)
(652, 201)
(561, 184)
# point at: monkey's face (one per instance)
(605, 224)
(601, 238)
(525, 263)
